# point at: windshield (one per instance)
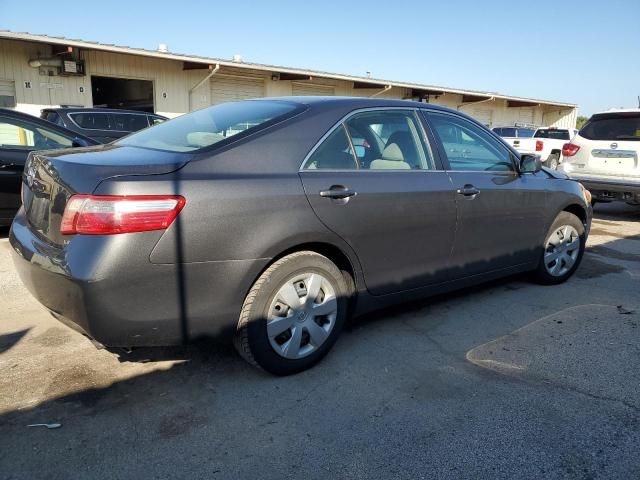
(553, 134)
(613, 126)
(204, 128)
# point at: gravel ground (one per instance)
(507, 380)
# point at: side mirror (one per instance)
(530, 163)
(79, 142)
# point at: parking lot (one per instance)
(506, 380)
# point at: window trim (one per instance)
(445, 158)
(342, 122)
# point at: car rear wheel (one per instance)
(563, 250)
(293, 314)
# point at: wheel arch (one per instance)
(578, 211)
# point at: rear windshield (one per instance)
(553, 134)
(204, 128)
(612, 126)
(514, 132)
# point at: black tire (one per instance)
(251, 339)
(553, 161)
(541, 275)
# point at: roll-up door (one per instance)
(306, 89)
(229, 89)
(484, 116)
(525, 115)
(7, 94)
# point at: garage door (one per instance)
(305, 89)
(525, 115)
(229, 89)
(483, 116)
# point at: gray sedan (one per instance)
(272, 221)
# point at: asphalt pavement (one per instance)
(505, 380)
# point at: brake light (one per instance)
(539, 145)
(108, 215)
(569, 149)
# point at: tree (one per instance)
(580, 121)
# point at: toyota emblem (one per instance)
(614, 145)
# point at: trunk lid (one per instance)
(51, 177)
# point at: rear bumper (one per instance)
(607, 190)
(123, 300)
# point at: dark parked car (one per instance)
(260, 220)
(21, 134)
(102, 124)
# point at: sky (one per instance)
(585, 52)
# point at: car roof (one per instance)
(32, 118)
(96, 109)
(355, 102)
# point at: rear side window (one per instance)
(128, 122)
(614, 126)
(334, 153)
(204, 128)
(553, 134)
(374, 140)
(92, 121)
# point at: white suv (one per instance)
(604, 155)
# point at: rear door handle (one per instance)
(468, 191)
(338, 192)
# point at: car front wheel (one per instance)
(563, 249)
(293, 314)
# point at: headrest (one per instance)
(203, 139)
(393, 152)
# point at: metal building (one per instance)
(38, 71)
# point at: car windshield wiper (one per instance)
(627, 137)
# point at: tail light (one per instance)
(539, 145)
(108, 215)
(569, 149)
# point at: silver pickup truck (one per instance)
(604, 155)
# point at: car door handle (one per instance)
(468, 191)
(338, 192)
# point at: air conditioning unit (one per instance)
(72, 67)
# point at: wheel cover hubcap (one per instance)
(302, 315)
(561, 251)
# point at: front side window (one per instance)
(18, 134)
(204, 128)
(128, 122)
(468, 147)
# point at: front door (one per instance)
(374, 182)
(501, 212)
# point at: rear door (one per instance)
(502, 219)
(373, 181)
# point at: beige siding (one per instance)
(174, 94)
